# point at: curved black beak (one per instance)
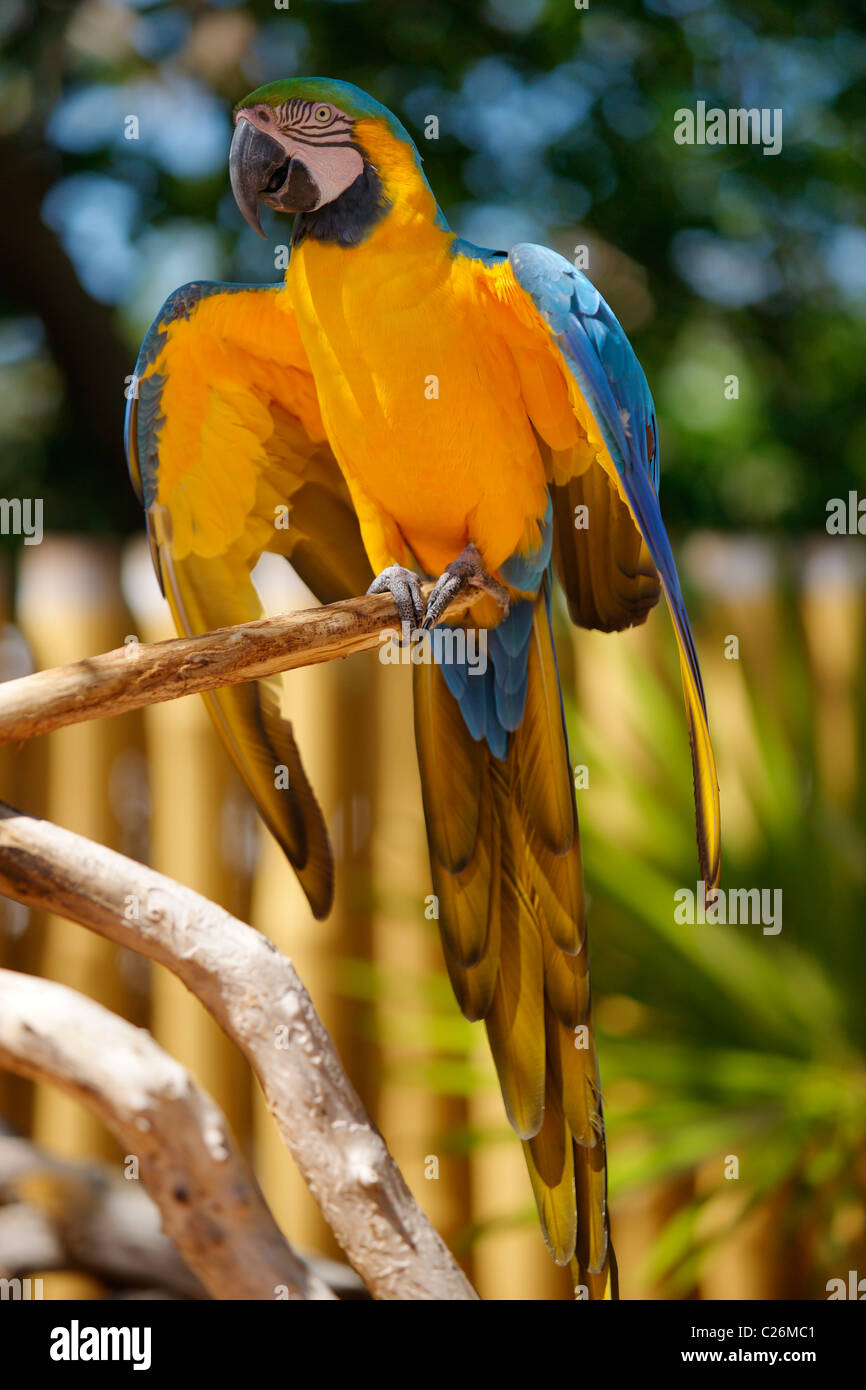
(261, 171)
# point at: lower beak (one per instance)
(261, 171)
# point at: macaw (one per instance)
(425, 407)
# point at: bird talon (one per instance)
(466, 572)
(404, 587)
(445, 590)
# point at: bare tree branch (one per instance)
(98, 1221)
(258, 999)
(63, 1213)
(28, 1240)
(210, 1203)
(147, 673)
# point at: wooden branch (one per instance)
(28, 1241)
(210, 1203)
(256, 996)
(70, 1214)
(146, 673)
(100, 1222)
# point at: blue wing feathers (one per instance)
(597, 350)
(615, 389)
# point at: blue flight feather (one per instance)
(615, 388)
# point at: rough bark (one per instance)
(210, 1203)
(65, 1214)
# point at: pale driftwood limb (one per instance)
(256, 996)
(67, 1214)
(102, 1224)
(210, 1204)
(114, 1240)
(28, 1241)
(146, 673)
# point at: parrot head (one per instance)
(321, 149)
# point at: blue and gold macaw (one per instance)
(426, 407)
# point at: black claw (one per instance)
(445, 591)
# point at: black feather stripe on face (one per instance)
(297, 118)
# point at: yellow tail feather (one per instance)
(506, 865)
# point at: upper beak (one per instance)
(254, 159)
(261, 170)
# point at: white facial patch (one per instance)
(334, 169)
(318, 134)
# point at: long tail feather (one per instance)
(507, 872)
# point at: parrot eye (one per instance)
(322, 113)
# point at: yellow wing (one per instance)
(227, 450)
